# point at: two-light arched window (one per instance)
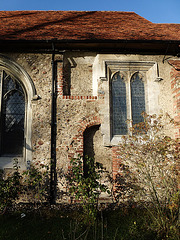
(127, 101)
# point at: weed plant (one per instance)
(111, 224)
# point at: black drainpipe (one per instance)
(53, 175)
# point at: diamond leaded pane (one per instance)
(137, 98)
(9, 84)
(119, 108)
(13, 112)
(0, 76)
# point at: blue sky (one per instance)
(157, 11)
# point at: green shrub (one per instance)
(35, 183)
(10, 188)
(86, 189)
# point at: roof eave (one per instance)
(98, 45)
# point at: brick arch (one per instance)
(89, 122)
(76, 147)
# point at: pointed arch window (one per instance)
(127, 101)
(17, 93)
(13, 102)
(137, 98)
(119, 108)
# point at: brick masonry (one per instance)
(175, 86)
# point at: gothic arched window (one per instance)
(17, 92)
(137, 98)
(119, 108)
(13, 103)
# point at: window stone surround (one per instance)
(17, 72)
(105, 66)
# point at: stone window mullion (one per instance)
(129, 100)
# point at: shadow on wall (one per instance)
(67, 78)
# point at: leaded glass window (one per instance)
(12, 116)
(119, 105)
(137, 98)
(127, 101)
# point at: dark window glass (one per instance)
(12, 115)
(119, 109)
(137, 98)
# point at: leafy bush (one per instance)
(35, 183)
(31, 184)
(153, 160)
(86, 189)
(10, 188)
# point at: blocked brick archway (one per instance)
(76, 147)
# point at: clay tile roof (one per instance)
(82, 25)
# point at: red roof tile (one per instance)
(82, 25)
